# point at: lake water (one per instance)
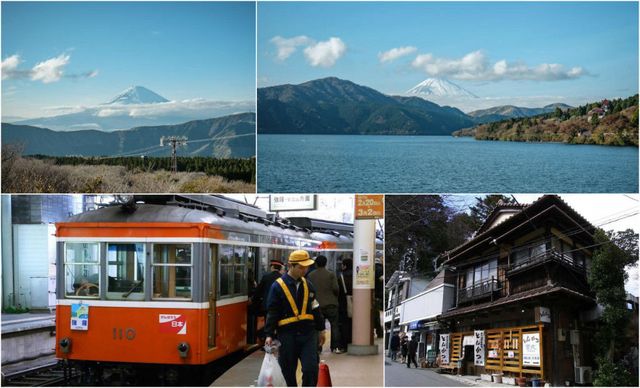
(439, 164)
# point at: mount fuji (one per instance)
(138, 106)
(438, 87)
(137, 95)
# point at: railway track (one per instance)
(47, 375)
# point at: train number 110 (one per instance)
(119, 333)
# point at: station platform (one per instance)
(346, 370)
(12, 323)
(27, 337)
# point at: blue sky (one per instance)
(528, 53)
(180, 50)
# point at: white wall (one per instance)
(34, 258)
(428, 304)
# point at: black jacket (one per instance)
(262, 291)
(278, 308)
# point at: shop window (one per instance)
(172, 271)
(125, 271)
(82, 270)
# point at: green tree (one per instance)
(484, 206)
(606, 278)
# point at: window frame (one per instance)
(154, 265)
(66, 263)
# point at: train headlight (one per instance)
(183, 349)
(65, 345)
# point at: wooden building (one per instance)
(523, 304)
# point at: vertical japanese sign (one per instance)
(478, 358)
(79, 317)
(531, 349)
(444, 348)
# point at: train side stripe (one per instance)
(152, 304)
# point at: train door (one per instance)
(252, 277)
(213, 286)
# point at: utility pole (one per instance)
(174, 142)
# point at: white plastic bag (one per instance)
(270, 372)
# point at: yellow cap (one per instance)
(300, 257)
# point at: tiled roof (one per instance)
(519, 297)
(528, 212)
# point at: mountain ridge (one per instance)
(235, 133)
(335, 106)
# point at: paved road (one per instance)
(398, 375)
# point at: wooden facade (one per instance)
(537, 256)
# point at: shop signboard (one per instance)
(444, 348)
(479, 348)
(542, 314)
(531, 349)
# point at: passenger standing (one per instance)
(413, 350)
(326, 285)
(404, 348)
(346, 290)
(262, 290)
(394, 346)
(293, 315)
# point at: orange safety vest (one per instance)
(296, 315)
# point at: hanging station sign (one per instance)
(531, 349)
(444, 348)
(288, 202)
(479, 348)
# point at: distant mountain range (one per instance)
(335, 106)
(506, 112)
(223, 137)
(136, 106)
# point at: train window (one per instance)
(171, 271)
(240, 270)
(233, 270)
(225, 253)
(82, 270)
(125, 271)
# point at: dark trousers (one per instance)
(345, 331)
(411, 357)
(331, 314)
(298, 345)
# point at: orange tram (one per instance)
(156, 290)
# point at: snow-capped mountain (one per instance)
(137, 95)
(438, 87)
(138, 106)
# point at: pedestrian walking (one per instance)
(345, 284)
(326, 285)
(293, 315)
(394, 346)
(404, 348)
(412, 350)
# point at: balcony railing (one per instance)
(478, 291)
(551, 255)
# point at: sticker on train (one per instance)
(79, 316)
(173, 323)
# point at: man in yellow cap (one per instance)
(293, 315)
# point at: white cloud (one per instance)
(475, 66)
(287, 46)
(10, 65)
(197, 107)
(395, 53)
(325, 53)
(50, 70)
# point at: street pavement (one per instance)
(398, 375)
